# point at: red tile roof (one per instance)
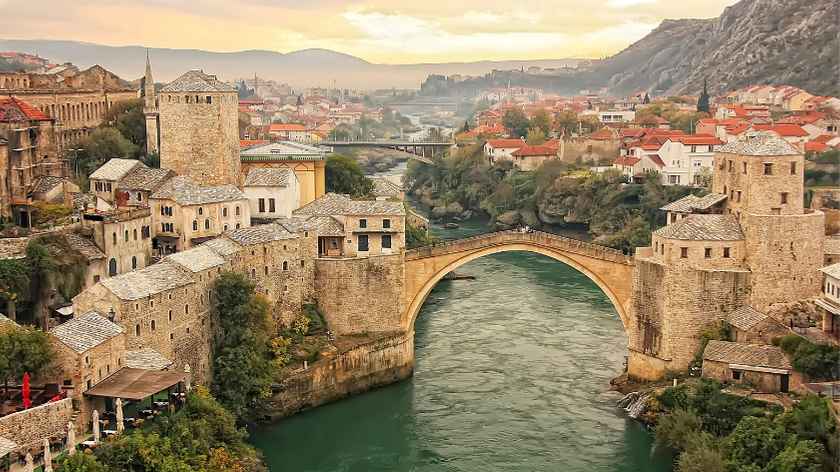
(695, 139)
(629, 161)
(540, 150)
(13, 109)
(603, 134)
(815, 146)
(506, 143)
(286, 127)
(783, 129)
(246, 143)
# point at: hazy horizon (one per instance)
(378, 31)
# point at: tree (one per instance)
(675, 430)
(801, 456)
(542, 121)
(567, 122)
(102, 144)
(14, 282)
(702, 454)
(79, 463)
(755, 441)
(466, 127)
(516, 123)
(703, 101)
(535, 137)
(646, 100)
(128, 118)
(42, 267)
(344, 175)
(24, 349)
(242, 370)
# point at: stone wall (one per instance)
(783, 253)
(761, 382)
(366, 366)
(201, 139)
(750, 189)
(28, 428)
(360, 296)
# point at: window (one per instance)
(133, 262)
(363, 243)
(708, 253)
(285, 265)
(743, 167)
(153, 325)
(126, 235)
(784, 198)
(253, 273)
(237, 210)
(362, 223)
(112, 267)
(792, 168)
(137, 330)
(95, 279)
(730, 165)
(386, 241)
(739, 196)
(195, 225)
(726, 252)
(261, 205)
(271, 207)
(683, 252)
(768, 168)
(115, 238)
(736, 375)
(224, 212)
(266, 270)
(209, 100)
(135, 234)
(170, 315)
(186, 309)
(207, 224)
(200, 210)
(386, 223)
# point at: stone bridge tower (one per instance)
(199, 129)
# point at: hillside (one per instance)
(305, 68)
(752, 42)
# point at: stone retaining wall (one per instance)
(380, 362)
(28, 428)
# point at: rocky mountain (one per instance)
(792, 42)
(305, 68)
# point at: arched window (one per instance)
(207, 224)
(126, 235)
(133, 262)
(195, 225)
(153, 325)
(224, 212)
(237, 210)
(253, 273)
(285, 265)
(200, 210)
(186, 309)
(170, 315)
(112, 266)
(115, 238)
(135, 234)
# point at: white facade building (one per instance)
(272, 192)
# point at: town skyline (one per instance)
(427, 33)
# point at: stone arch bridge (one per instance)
(610, 269)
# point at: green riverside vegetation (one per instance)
(617, 214)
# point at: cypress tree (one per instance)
(703, 101)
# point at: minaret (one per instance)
(150, 110)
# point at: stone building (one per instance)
(151, 108)
(77, 100)
(187, 214)
(273, 192)
(748, 325)
(748, 245)
(829, 301)
(28, 152)
(765, 368)
(307, 162)
(104, 180)
(370, 228)
(198, 127)
(124, 236)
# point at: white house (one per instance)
(688, 159)
(616, 116)
(502, 149)
(829, 301)
(272, 192)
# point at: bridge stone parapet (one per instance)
(540, 238)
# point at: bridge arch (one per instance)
(610, 270)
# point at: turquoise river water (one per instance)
(512, 374)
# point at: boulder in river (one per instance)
(508, 219)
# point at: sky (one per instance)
(381, 31)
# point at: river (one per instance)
(512, 374)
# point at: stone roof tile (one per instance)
(115, 169)
(760, 144)
(268, 177)
(146, 359)
(222, 246)
(753, 355)
(145, 178)
(260, 234)
(334, 204)
(197, 259)
(690, 203)
(185, 191)
(832, 271)
(703, 228)
(145, 282)
(197, 81)
(85, 332)
(84, 246)
(384, 187)
(47, 183)
(746, 318)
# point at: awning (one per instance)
(135, 384)
(828, 306)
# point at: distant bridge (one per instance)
(421, 151)
(609, 268)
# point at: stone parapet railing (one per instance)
(537, 238)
